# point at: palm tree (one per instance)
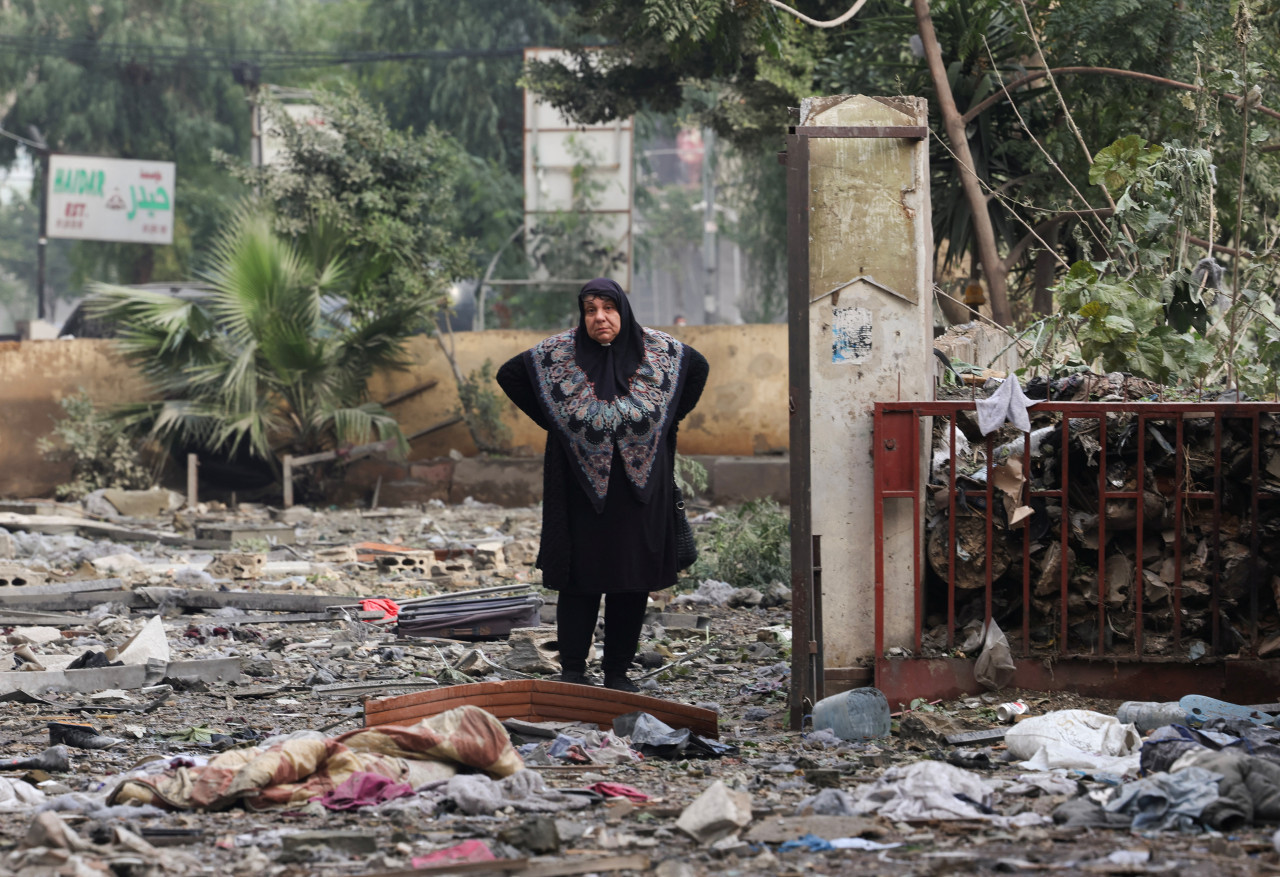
(268, 360)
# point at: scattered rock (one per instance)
(537, 835)
(533, 650)
(715, 814)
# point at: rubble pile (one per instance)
(198, 692)
(1211, 545)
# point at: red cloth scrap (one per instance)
(390, 607)
(363, 790)
(619, 790)
(467, 851)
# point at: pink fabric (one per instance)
(467, 851)
(619, 790)
(363, 790)
(390, 607)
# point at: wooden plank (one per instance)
(258, 600)
(59, 588)
(298, 618)
(65, 602)
(524, 868)
(55, 524)
(492, 703)
(18, 618)
(524, 698)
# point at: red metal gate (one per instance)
(1144, 665)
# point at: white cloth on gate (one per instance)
(1009, 403)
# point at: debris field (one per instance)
(184, 692)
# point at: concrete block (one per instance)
(506, 482)
(738, 479)
(533, 650)
(346, 841)
(273, 534)
(237, 566)
(432, 471)
(715, 814)
(17, 575)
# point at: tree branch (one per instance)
(1218, 248)
(984, 233)
(1004, 93)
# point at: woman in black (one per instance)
(609, 393)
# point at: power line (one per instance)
(93, 52)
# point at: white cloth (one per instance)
(1076, 740)
(1009, 403)
(925, 790)
(16, 795)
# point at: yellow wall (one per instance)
(34, 376)
(743, 409)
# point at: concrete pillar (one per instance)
(862, 321)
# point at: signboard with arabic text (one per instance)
(110, 199)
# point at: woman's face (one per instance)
(602, 318)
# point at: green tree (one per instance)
(1027, 206)
(155, 80)
(474, 95)
(262, 363)
(387, 195)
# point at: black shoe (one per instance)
(575, 678)
(79, 737)
(620, 682)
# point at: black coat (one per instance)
(630, 545)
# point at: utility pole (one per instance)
(709, 227)
(42, 242)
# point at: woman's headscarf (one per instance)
(609, 366)
(620, 396)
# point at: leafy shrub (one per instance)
(103, 451)
(691, 476)
(482, 408)
(749, 546)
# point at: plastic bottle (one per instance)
(860, 714)
(1148, 715)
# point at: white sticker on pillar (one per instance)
(851, 331)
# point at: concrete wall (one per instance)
(743, 409)
(34, 377)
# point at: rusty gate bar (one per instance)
(1027, 546)
(951, 546)
(1108, 670)
(1255, 470)
(1217, 532)
(1140, 510)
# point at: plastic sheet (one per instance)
(651, 736)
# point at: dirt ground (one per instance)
(740, 671)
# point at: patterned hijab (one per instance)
(609, 367)
(599, 397)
